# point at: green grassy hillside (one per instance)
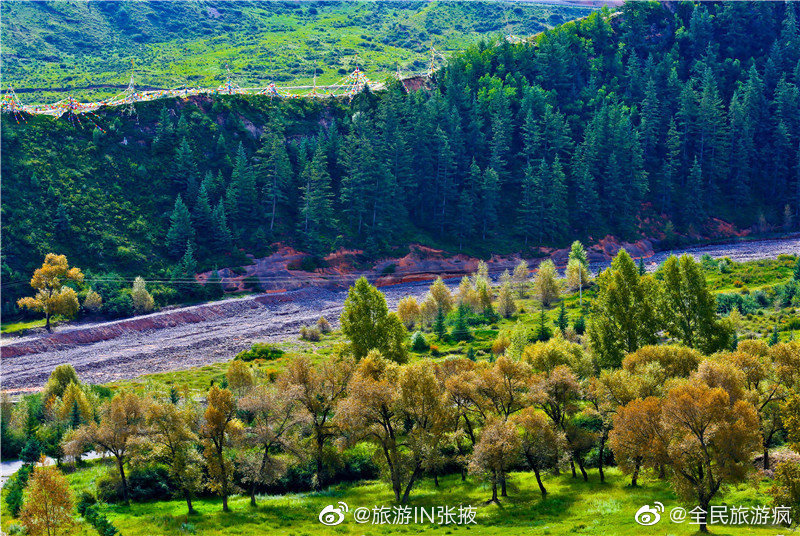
(77, 45)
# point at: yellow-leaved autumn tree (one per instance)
(52, 297)
(48, 504)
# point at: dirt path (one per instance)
(209, 333)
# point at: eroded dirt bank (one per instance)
(208, 333)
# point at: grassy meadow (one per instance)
(572, 506)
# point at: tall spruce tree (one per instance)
(180, 230)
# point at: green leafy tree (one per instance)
(368, 325)
(624, 316)
(689, 310)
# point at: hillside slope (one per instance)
(78, 45)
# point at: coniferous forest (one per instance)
(652, 120)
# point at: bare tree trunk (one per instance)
(600, 458)
(635, 474)
(539, 481)
(121, 466)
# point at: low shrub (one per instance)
(99, 521)
(120, 306)
(14, 489)
(310, 333)
(146, 483)
(85, 500)
(323, 325)
(260, 350)
(728, 302)
(251, 282)
(418, 342)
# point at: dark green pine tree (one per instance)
(222, 157)
(461, 330)
(543, 332)
(692, 210)
(529, 204)
(562, 321)
(185, 177)
(438, 325)
(445, 180)
(554, 139)
(317, 203)
(180, 230)
(501, 129)
(247, 213)
(587, 200)
(557, 217)
(358, 186)
(210, 185)
(183, 278)
(213, 286)
(650, 127)
(75, 419)
(670, 170)
(465, 228)
(275, 173)
(712, 138)
(165, 132)
(490, 199)
(220, 239)
(182, 129)
(62, 221)
(203, 216)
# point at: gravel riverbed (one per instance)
(209, 333)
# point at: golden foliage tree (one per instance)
(441, 296)
(93, 302)
(401, 410)
(220, 428)
(520, 278)
(541, 443)
(275, 414)
(506, 305)
(709, 441)
(142, 300)
(48, 504)
(170, 439)
(52, 297)
(320, 387)
(636, 436)
(121, 421)
(545, 283)
(408, 311)
(240, 377)
(495, 453)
